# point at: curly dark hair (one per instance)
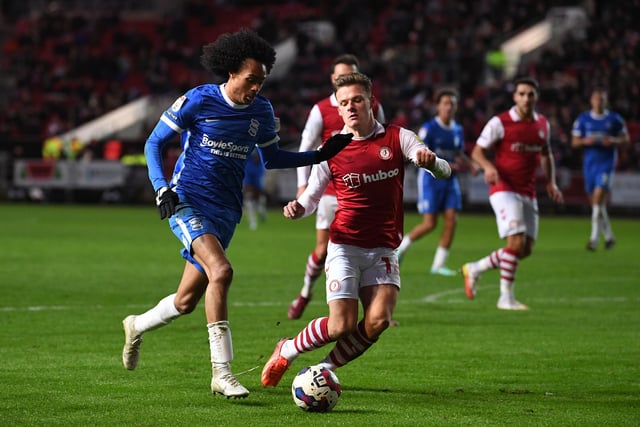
(230, 50)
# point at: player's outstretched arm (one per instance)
(275, 158)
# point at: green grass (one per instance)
(69, 274)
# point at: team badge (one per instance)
(541, 133)
(178, 103)
(334, 286)
(385, 153)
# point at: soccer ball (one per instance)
(316, 389)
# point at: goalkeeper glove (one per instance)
(333, 146)
(167, 200)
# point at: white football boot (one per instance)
(225, 383)
(132, 342)
(508, 302)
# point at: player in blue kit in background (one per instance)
(445, 137)
(203, 201)
(600, 132)
(255, 199)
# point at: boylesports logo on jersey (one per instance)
(355, 180)
(225, 148)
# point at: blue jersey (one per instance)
(447, 143)
(220, 138)
(438, 195)
(597, 157)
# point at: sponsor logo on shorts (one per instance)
(334, 286)
(195, 224)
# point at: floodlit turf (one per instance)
(69, 274)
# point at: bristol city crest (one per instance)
(385, 153)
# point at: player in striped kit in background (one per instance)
(519, 138)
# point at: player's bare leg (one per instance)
(210, 254)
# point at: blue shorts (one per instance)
(254, 175)
(188, 223)
(595, 177)
(437, 195)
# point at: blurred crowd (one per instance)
(64, 67)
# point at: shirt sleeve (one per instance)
(311, 140)
(492, 132)
(410, 144)
(159, 137)
(318, 181)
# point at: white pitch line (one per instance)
(429, 299)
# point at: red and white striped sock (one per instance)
(489, 262)
(311, 274)
(508, 268)
(348, 348)
(314, 335)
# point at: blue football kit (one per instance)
(599, 160)
(217, 137)
(438, 195)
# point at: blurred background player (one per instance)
(203, 201)
(519, 139)
(444, 137)
(362, 264)
(600, 131)
(255, 199)
(323, 122)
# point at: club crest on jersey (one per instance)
(385, 153)
(178, 103)
(541, 133)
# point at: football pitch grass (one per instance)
(70, 274)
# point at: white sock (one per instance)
(162, 314)
(440, 258)
(404, 245)
(250, 209)
(262, 206)
(307, 289)
(288, 350)
(595, 223)
(220, 343)
(605, 224)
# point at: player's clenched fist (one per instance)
(293, 210)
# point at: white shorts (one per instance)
(515, 214)
(326, 211)
(349, 268)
